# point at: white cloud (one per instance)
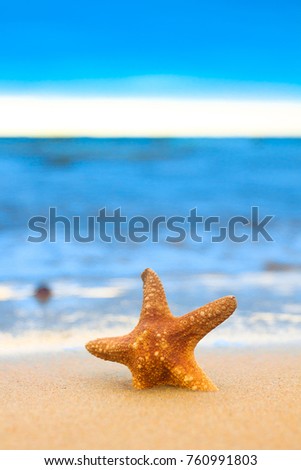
(158, 117)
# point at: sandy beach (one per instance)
(75, 401)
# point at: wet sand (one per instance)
(72, 400)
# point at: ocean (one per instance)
(96, 284)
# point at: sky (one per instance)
(218, 49)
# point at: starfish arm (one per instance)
(154, 300)
(197, 324)
(187, 373)
(115, 349)
(141, 381)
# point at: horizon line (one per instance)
(39, 116)
(144, 137)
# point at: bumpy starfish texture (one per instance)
(160, 349)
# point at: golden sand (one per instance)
(74, 401)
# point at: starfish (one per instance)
(160, 349)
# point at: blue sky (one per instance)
(152, 46)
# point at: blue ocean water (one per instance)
(97, 285)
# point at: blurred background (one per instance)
(156, 109)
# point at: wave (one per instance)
(257, 329)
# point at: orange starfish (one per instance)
(160, 348)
